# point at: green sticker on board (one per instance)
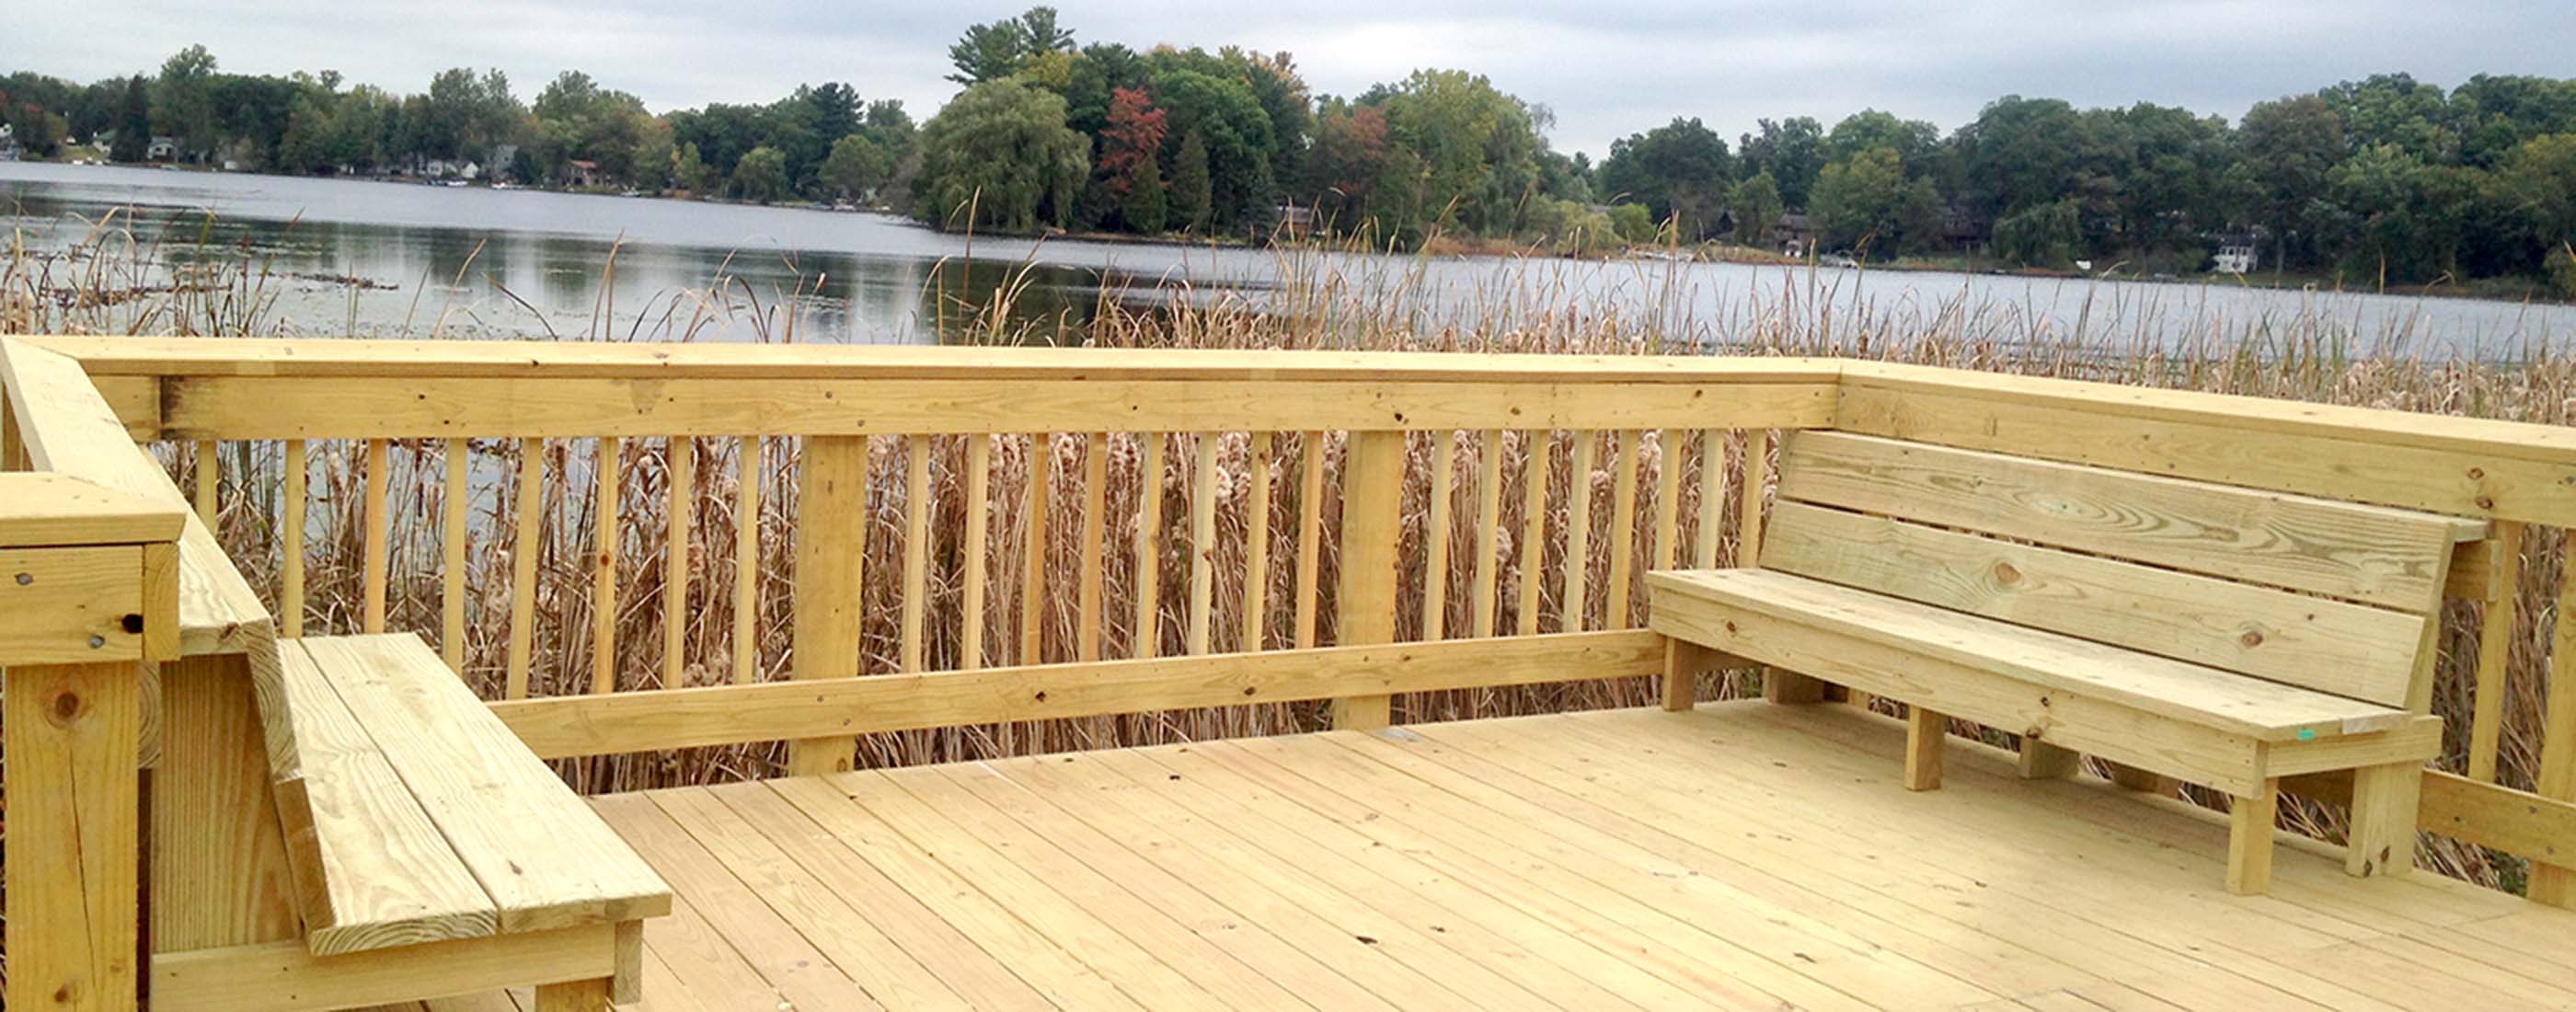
(2307, 734)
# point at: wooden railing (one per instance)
(935, 538)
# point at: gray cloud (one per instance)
(1606, 68)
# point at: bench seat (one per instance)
(414, 816)
(2220, 700)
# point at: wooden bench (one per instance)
(2219, 635)
(432, 853)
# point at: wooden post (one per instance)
(2249, 840)
(1683, 662)
(1372, 521)
(2495, 648)
(2042, 761)
(73, 619)
(2384, 801)
(1925, 732)
(2555, 884)
(831, 545)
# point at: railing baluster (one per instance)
(1033, 577)
(916, 550)
(1748, 520)
(210, 477)
(451, 542)
(831, 556)
(1435, 540)
(1623, 527)
(1095, 522)
(1310, 535)
(1149, 547)
(1202, 617)
(1668, 504)
(1573, 608)
(290, 597)
(2495, 648)
(979, 487)
(609, 468)
(1712, 497)
(682, 452)
(531, 507)
(1256, 547)
(378, 461)
(2555, 884)
(1537, 446)
(746, 561)
(1489, 519)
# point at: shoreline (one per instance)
(2499, 291)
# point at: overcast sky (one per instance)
(1607, 67)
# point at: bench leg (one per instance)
(574, 996)
(1924, 732)
(2249, 840)
(2384, 800)
(2134, 779)
(1683, 663)
(2043, 761)
(1789, 687)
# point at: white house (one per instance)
(2237, 254)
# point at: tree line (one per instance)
(2387, 178)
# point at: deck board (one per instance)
(1739, 856)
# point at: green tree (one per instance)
(183, 100)
(1477, 145)
(1002, 150)
(691, 172)
(856, 167)
(2042, 235)
(1192, 191)
(760, 175)
(1680, 171)
(999, 49)
(1915, 142)
(1867, 205)
(2289, 147)
(1757, 206)
(1225, 114)
(133, 122)
(1792, 151)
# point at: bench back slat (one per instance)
(2350, 650)
(2376, 555)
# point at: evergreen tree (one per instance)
(1192, 191)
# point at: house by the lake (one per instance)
(2237, 254)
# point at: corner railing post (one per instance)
(91, 596)
(1372, 524)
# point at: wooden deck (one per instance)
(1741, 856)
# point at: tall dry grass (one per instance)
(2303, 356)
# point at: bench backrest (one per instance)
(2326, 595)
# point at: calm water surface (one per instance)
(385, 259)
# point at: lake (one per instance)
(385, 259)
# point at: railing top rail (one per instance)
(64, 426)
(315, 357)
(2519, 440)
